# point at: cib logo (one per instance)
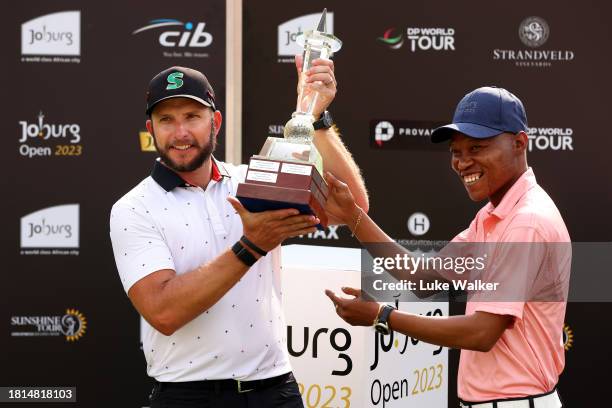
(185, 37)
(534, 31)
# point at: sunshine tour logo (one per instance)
(533, 32)
(72, 325)
(420, 39)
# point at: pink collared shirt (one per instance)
(529, 356)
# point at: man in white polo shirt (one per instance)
(202, 270)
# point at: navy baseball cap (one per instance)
(182, 82)
(483, 113)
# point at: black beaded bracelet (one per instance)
(243, 254)
(253, 246)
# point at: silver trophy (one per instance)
(298, 133)
(287, 172)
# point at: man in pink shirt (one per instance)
(511, 345)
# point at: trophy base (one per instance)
(292, 185)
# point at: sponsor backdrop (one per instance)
(73, 126)
(74, 146)
(401, 71)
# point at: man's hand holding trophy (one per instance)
(287, 172)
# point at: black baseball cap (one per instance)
(180, 82)
(485, 112)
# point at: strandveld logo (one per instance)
(72, 325)
(52, 227)
(421, 39)
(187, 36)
(56, 34)
(64, 138)
(534, 33)
(289, 30)
(146, 142)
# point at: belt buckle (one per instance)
(240, 390)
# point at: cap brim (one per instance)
(444, 133)
(195, 98)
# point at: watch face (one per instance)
(382, 328)
(327, 119)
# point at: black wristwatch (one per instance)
(381, 324)
(243, 254)
(325, 121)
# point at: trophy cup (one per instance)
(287, 172)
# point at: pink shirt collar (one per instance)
(524, 183)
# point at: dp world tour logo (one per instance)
(393, 41)
(383, 132)
(534, 31)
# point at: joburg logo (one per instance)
(72, 325)
(289, 31)
(403, 134)
(189, 36)
(64, 138)
(56, 34)
(147, 144)
(533, 32)
(421, 39)
(52, 227)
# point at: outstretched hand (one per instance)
(340, 201)
(355, 311)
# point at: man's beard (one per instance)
(197, 161)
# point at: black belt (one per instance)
(529, 398)
(231, 385)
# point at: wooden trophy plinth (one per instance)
(276, 184)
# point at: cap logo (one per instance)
(174, 80)
(468, 107)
